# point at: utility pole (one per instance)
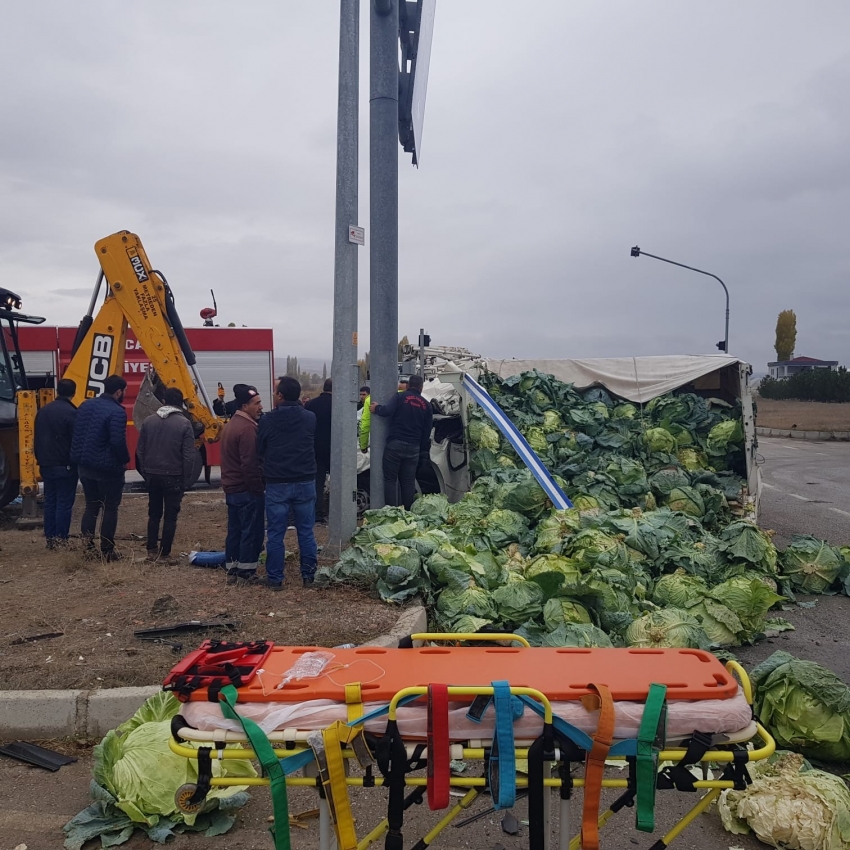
(344, 368)
(383, 227)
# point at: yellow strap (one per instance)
(354, 701)
(334, 737)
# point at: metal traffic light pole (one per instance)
(344, 368)
(383, 226)
(636, 252)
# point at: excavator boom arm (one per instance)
(138, 297)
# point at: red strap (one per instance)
(595, 768)
(439, 776)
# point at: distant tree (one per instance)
(364, 365)
(324, 371)
(292, 367)
(402, 343)
(786, 335)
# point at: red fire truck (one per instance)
(224, 355)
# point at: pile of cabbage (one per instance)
(650, 555)
(679, 450)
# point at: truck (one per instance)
(635, 379)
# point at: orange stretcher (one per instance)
(361, 677)
(561, 674)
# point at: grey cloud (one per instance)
(557, 136)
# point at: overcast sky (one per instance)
(557, 135)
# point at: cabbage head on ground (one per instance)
(667, 627)
(810, 565)
(804, 706)
(135, 779)
(789, 805)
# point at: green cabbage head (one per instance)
(483, 436)
(804, 706)
(667, 627)
(558, 611)
(659, 440)
(679, 590)
(810, 564)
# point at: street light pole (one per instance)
(344, 369)
(383, 226)
(636, 252)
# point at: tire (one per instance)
(363, 484)
(9, 487)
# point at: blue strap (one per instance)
(518, 442)
(292, 763)
(502, 766)
(626, 747)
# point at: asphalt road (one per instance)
(807, 489)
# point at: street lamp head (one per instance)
(636, 251)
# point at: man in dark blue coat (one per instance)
(286, 449)
(408, 441)
(99, 449)
(322, 407)
(54, 430)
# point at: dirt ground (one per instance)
(95, 606)
(802, 415)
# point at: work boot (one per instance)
(276, 586)
(153, 555)
(168, 561)
(307, 581)
(111, 556)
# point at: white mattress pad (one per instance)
(684, 717)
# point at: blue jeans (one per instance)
(245, 526)
(300, 498)
(60, 490)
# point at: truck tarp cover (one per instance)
(638, 379)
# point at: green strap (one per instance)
(652, 732)
(271, 765)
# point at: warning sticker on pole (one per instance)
(356, 234)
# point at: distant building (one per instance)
(786, 368)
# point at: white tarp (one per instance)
(637, 379)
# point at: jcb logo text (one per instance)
(101, 353)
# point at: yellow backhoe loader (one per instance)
(139, 297)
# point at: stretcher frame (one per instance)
(291, 742)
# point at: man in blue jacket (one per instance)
(99, 449)
(285, 446)
(408, 441)
(54, 430)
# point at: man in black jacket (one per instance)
(408, 441)
(166, 454)
(99, 449)
(321, 406)
(285, 447)
(54, 430)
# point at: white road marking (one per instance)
(792, 495)
(839, 511)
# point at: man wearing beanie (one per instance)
(286, 446)
(242, 482)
